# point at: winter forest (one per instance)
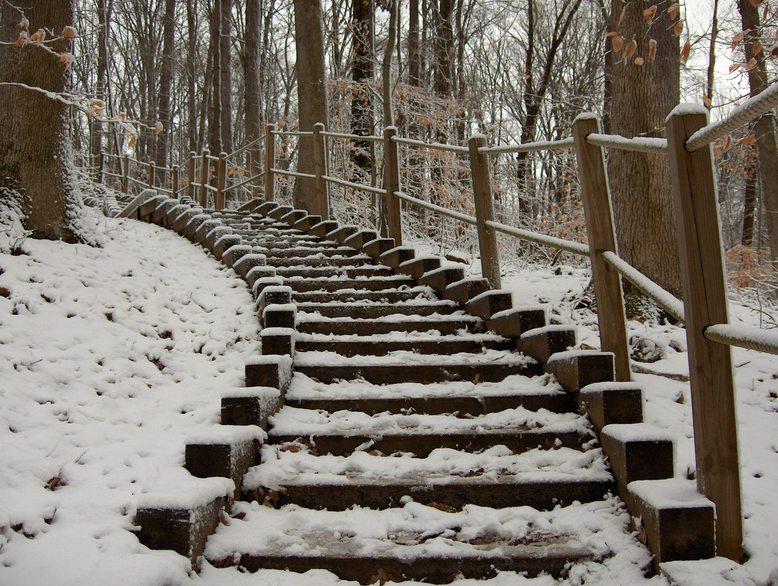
(439, 291)
(159, 80)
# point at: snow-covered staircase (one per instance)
(430, 429)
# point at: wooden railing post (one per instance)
(174, 182)
(204, 176)
(602, 238)
(125, 163)
(392, 208)
(320, 170)
(192, 175)
(221, 181)
(151, 174)
(270, 161)
(484, 210)
(705, 303)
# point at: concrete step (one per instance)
(332, 272)
(308, 251)
(317, 261)
(356, 346)
(376, 546)
(337, 284)
(445, 325)
(351, 295)
(322, 367)
(361, 310)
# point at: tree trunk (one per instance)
(749, 208)
(414, 53)
(362, 73)
(191, 74)
(311, 92)
(102, 71)
(225, 83)
(767, 152)
(165, 83)
(215, 106)
(34, 150)
(252, 88)
(641, 99)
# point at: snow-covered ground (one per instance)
(110, 357)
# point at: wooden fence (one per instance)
(704, 306)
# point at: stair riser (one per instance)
(556, 403)
(357, 311)
(425, 374)
(284, 262)
(539, 495)
(326, 272)
(422, 445)
(386, 296)
(420, 346)
(433, 570)
(368, 328)
(303, 285)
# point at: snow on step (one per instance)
(508, 539)
(407, 358)
(307, 422)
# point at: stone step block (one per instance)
(512, 323)
(375, 310)
(489, 303)
(611, 402)
(441, 278)
(416, 267)
(279, 211)
(226, 451)
(360, 238)
(367, 327)
(279, 316)
(637, 451)
(280, 341)
(377, 247)
(269, 370)
(293, 217)
(250, 405)
(368, 347)
(342, 233)
(247, 262)
(542, 343)
(574, 369)
(464, 290)
(394, 257)
(323, 228)
(306, 223)
(224, 243)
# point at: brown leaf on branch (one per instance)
(685, 52)
(22, 39)
(649, 13)
(707, 102)
(629, 50)
(750, 65)
(678, 28)
(738, 38)
(773, 54)
(38, 36)
(747, 140)
(734, 67)
(67, 59)
(69, 33)
(617, 43)
(756, 47)
(651, 50)
(639, 61)
(674, 10)
(158, 127)
(24, 24)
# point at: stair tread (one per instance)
(443, 467)
(418, 532)
(405, 358)
(306, 422)
(304, 387)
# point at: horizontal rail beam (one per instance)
(294, 174)
(437, 146)
(292, 133)
(664, 299)
(435, 208)
(537, 238)
(246, 146)
(638, 144)
(360, 186)
(355, 137)
(750, 109)
(530, 147)
(749, 337)
(244, 182)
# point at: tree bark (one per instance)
(414, 53)
(767, 152)
(251, 71)
(34, 150)
(362, 74)
(214, 105)
(311, 92)
(641, 99)
(166, 83)
(225, 84)
(103, 20)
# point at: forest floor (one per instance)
(111, 355)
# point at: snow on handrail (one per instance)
(246, 146)
(566, 245)
(640, 144)
(435, 208)
(740, 116)
(356, 137)
(529, 147)
(293, 173)
(438, 146)
(661, 297)
(360, 186)
(749, 337)
(292, 133)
